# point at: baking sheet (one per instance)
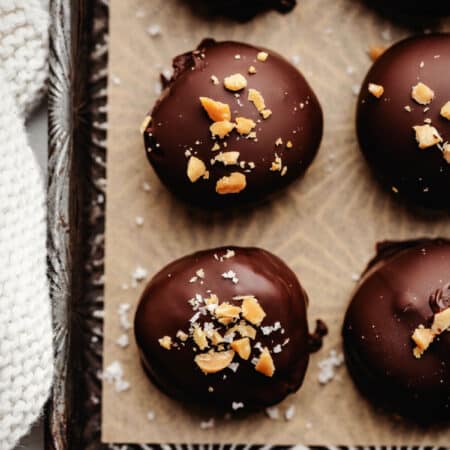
(325, 226)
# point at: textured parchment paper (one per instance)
(325, 226)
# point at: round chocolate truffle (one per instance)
(403, 120)
(234, 124)
(396, 331)
(225, 327)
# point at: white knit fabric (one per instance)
(25, 323)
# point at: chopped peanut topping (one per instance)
(252, 311)
(277, 165)
(145, 123)
(235, 82)
(221, 128)
(422, 94)
(446, 151)
(244, 125)
(215, 80)
(257, 99)
(441, 321)
(215, 147)
(217, 111)
(242, 347)
(226, 313)
(232, 184)
(424, 337)
(182, 336)
(262, 56)
(216, 338)
(265, 363)
(289, 144)
(243, 329)
(376, 90)
(266, 113)
(195, 169)
(252, 70)
(445, 111)
(165, 342)
(213, 362)
(228, 158)
(279, 142)
(427, 136)
(376, 51)
(199, 337)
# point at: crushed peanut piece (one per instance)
(227, 158)
(226, 313)
(266, 113)
(212, 300)
(265, 363)
(446, 152)
(257, 99)
(376, 51)
(232, 184)
(242, 347)
(221, 128)
(145, 123)
(252, 311)
(422, 94)
(215, 147)
(424, 337)
(262, 56)
(243, 329)
(235, 82)
(279, 142)
(376, 90)
(277, 164)
(199, 337)
(215, 80)
(217, 111)
(289, 144)
(213, 362)
(445, 111)
(244, 125)
(195, 169)
(165, 342)
(216, 338)
(182, 336)
(252, 70)
(427, 136)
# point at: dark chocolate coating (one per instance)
(179, 122)
(164, 309)
(249, 8)
(405, 285)
(385, 133)
(405, 8)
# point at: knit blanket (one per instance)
(26, 366)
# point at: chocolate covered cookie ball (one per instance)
(234, 124)
(397, 330)
(225, 327)
(403, 120)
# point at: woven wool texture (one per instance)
(25, 321)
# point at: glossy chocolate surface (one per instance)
(180, 126)
(385, 127)
(404, 287)
(164, 309)
(417, 8)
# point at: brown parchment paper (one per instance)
(325, 226)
